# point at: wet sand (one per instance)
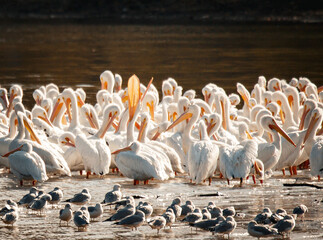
(248, 200)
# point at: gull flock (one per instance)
(211, 218)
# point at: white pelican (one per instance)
(96, 154)
(316, 158)
(15, 91)
(201, 155)
(274, 84)
(269, 153)
(293, 100)
(285, 111)
(140, 162)
(53, 160)
(72, 156)
(118, 83)
(171, 154)
(26, 164)
(4, 99)
(6, 140)
(107, 81)
(246, 98)
(237, 161)
(72, 101)
(310, 136)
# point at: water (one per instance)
(74, 55)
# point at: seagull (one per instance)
(176, 207)
(193, 217)
(206, 214)
(57, 195)
(225, 227)
(40, 204)
(208, 224)
(170, 217)
(300, 211)
(146, 208)
(286, 225)
(80, 198)
(65, 214)
(128, 210)
(114, 195)
(229, 211)
(259, 231)
(188, 207)
(95, 211)
(133, 221)
(11, 217)
(216, 212)
(80, 220)
(10, 204)
(158, 223)
(29, 197)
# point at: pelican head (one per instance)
(269, 124)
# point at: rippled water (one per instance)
(75, 54)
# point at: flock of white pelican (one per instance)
(133, 131)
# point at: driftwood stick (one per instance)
(216, 194)
(301, 185)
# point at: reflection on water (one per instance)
(248, 200)
(75, 55)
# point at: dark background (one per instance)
(168, 10)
